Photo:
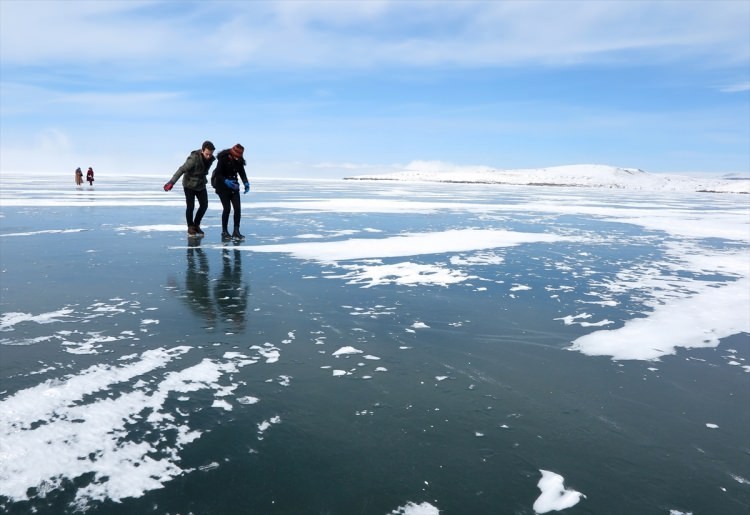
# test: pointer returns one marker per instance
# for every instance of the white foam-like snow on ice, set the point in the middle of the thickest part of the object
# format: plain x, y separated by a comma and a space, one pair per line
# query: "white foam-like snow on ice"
65, 429
411, 508
46, 231
75, 341
269, 352
154, 228
555, 496
408, 244
9, 320
343, 351
266, 425
700, 320
221, 403
406, 273
480, 258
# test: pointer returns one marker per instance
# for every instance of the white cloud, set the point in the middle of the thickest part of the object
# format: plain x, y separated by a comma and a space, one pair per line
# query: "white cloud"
18, 98
44, 31
736, 88
364, 34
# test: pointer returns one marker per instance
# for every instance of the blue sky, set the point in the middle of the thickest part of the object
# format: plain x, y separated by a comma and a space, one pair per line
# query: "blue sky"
337, 88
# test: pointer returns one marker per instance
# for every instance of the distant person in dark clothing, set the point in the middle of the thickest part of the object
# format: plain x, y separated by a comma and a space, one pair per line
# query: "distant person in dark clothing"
195, 170
90, 176
230, 168
79, 177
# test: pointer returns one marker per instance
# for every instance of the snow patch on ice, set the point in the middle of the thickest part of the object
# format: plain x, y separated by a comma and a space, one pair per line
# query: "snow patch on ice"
408, 244
67, 428
11, 319
700, 320
401, 273
411, 508
555, 496
154, 228
266, 424
48, 231
346, 350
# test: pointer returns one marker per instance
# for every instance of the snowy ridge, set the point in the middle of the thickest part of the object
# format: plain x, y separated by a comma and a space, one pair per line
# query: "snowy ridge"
592, 176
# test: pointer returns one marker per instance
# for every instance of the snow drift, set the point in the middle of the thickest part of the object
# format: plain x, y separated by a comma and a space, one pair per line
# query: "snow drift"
592, 176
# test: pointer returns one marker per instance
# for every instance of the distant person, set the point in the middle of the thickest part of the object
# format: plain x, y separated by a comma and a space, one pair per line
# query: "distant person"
90, 176
230, 167
79, 177
195, 170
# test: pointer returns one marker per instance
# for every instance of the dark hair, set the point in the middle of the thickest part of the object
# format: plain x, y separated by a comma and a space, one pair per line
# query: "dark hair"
208, 145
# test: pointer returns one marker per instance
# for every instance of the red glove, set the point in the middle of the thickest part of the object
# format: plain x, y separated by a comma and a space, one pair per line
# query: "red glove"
168, 186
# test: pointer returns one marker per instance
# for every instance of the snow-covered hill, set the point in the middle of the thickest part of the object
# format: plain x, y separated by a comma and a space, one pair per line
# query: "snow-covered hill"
594, 176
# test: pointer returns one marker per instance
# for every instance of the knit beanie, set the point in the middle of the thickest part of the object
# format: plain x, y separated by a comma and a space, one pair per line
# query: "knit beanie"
237, 151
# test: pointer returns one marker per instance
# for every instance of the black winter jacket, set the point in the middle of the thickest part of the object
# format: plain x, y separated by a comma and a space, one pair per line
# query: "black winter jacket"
228, 168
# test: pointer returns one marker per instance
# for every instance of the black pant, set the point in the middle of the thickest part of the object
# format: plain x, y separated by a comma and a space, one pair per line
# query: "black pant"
190, 196
229, 200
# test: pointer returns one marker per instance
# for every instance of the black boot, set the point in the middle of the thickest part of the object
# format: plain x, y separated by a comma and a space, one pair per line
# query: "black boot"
236, 234
198, 231
225, 236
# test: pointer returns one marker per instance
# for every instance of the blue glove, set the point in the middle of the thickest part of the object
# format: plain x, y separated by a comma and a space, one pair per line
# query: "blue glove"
232, 185
247, 187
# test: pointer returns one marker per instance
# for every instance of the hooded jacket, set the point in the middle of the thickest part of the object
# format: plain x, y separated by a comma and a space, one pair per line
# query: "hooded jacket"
228, 168
194, 171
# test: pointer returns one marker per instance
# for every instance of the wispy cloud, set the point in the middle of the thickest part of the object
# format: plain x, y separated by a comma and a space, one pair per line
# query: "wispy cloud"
19, 99
322, 34
736, 88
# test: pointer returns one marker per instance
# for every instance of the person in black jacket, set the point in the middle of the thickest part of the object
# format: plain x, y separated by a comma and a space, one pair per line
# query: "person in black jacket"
195, 169
230, 168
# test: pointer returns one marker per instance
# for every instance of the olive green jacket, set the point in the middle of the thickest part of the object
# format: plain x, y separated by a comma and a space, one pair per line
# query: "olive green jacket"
193, 172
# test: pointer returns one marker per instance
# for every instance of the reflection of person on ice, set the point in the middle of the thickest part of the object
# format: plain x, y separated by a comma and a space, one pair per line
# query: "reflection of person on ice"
222, 300
197, 284
79, 177
90, 176
231, 290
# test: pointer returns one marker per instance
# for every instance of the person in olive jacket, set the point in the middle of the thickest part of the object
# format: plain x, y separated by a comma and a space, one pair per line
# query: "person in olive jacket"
194, 173
230, 168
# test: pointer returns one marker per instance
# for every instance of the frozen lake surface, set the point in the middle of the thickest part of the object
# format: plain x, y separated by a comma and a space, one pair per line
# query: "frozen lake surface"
374, 348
